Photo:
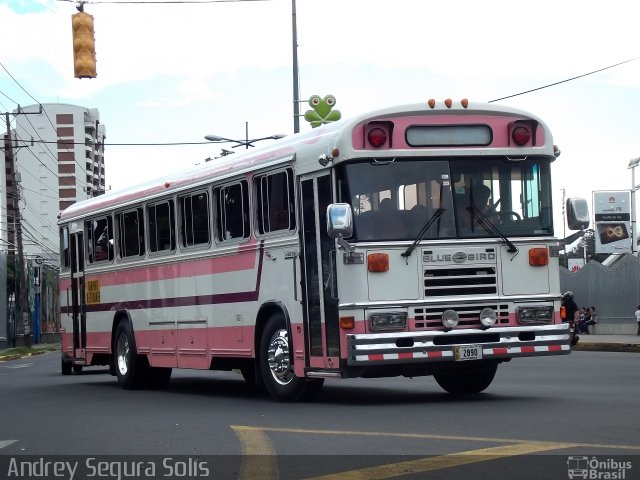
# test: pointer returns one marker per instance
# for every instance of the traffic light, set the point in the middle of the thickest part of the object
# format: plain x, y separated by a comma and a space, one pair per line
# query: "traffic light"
84, 46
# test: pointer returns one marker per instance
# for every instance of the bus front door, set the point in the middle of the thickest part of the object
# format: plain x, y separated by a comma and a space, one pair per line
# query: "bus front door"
78, 314
320, 303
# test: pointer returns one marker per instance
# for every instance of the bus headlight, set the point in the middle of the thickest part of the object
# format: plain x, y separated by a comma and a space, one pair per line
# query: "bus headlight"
388, 321
488, 317
450, 318
543, 314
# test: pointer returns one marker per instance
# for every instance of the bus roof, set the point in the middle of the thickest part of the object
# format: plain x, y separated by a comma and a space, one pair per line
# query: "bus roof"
302, 146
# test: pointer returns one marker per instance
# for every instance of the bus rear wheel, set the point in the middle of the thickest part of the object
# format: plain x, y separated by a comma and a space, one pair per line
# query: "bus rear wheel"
65, 366
467, 380
129, 368
276, 364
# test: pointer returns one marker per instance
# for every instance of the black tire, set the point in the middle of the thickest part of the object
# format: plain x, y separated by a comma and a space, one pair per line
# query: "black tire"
65, 366
276, 364
467, 380
130, 369
77, 369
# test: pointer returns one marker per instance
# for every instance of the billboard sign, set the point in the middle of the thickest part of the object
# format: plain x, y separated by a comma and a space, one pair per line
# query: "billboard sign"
612, 210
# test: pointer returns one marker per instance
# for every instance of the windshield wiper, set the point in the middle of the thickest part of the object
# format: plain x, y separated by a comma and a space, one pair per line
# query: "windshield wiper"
488, 225
437, 214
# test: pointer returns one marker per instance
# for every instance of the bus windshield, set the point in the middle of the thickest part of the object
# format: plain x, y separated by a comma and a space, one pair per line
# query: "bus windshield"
394, 199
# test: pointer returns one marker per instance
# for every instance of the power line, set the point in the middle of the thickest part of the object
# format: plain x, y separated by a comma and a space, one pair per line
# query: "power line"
159, 2
82, 168
564, 81
51, 154
17, 83
7, 96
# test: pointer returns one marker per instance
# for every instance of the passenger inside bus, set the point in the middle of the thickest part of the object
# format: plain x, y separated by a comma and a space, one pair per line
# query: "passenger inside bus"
388, 223
477, 196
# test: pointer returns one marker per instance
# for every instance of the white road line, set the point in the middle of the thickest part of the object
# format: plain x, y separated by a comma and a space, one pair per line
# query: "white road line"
6, 443
22, 365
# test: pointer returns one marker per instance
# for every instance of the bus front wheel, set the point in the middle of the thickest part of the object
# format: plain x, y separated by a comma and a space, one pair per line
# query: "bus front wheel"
276, 364
467, 380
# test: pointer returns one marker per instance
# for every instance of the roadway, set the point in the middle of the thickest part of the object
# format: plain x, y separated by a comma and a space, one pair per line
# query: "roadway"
538, 415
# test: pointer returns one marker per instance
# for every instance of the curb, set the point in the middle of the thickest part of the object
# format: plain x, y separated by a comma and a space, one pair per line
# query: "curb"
6, 358
607, 347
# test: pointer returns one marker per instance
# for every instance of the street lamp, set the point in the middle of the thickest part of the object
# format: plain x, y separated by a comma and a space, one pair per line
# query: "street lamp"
247, 142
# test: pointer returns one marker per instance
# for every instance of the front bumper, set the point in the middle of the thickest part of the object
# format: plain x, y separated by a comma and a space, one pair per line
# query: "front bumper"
436, 346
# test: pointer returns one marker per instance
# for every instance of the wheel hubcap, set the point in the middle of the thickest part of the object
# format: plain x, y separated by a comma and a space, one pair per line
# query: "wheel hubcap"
278, 357
123, 354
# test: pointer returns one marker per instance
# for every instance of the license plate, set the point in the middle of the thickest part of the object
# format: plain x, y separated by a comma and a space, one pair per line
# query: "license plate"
467, 352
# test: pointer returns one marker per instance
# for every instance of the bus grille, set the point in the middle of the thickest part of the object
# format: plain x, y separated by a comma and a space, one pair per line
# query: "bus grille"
431, 317
467, 281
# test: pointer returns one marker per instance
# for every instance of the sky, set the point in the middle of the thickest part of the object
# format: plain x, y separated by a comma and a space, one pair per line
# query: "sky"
173, 73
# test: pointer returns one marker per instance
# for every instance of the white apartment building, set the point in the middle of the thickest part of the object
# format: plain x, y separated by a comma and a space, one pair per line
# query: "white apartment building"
59, 161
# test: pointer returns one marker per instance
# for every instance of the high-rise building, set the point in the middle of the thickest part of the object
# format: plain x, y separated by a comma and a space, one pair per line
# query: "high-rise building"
58, 157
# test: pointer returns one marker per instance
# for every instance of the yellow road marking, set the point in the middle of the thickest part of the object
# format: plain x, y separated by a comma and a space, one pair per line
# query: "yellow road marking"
443, 461
439, 437
259, 458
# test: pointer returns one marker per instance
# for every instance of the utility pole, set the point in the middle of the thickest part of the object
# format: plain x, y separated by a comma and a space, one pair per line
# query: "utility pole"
4, 251
20, 269
296, 94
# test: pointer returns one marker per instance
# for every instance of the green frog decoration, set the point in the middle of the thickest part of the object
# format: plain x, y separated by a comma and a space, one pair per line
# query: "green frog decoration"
322, 111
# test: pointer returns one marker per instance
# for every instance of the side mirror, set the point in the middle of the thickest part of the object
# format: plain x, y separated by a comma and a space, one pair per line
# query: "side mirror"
577, 214
339, 220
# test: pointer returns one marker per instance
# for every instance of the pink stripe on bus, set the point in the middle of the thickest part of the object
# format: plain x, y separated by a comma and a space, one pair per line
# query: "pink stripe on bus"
185, 269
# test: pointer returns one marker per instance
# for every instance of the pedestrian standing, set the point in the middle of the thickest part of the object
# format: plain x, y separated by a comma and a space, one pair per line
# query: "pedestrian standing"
638, 319
590, 318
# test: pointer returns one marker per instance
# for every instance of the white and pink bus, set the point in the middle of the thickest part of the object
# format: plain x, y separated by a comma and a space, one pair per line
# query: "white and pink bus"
415, 240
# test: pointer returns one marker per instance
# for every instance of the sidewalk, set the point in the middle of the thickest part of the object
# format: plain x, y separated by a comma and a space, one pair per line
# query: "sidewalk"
609, 343
21, 352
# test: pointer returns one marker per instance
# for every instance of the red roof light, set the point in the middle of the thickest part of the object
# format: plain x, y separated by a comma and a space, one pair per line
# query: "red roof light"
377, 137
521, 135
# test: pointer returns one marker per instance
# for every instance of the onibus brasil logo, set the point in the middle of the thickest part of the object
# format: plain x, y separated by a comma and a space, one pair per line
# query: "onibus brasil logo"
594, 468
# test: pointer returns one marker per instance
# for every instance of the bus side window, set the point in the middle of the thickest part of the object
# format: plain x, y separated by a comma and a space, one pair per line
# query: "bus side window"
64, 248
194, 219
99, 239
232, 209
161, 227
130, 233
275, 202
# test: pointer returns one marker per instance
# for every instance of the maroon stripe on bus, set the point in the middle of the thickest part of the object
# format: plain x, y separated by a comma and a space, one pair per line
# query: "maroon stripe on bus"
213, 299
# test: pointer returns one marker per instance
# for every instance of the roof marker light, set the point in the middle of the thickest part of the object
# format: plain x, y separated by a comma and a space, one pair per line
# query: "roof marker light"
448, 102
431, 103
521, 135
464, 102
377, 137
